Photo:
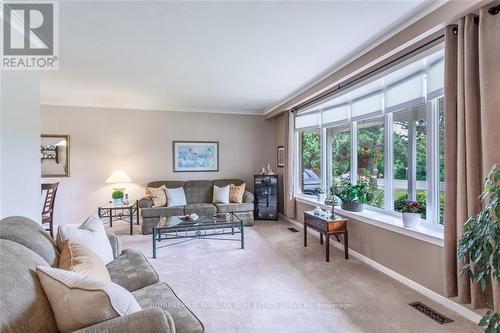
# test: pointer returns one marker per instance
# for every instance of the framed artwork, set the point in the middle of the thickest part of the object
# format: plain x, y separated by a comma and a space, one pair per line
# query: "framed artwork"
196, 156
280, 157
54, 155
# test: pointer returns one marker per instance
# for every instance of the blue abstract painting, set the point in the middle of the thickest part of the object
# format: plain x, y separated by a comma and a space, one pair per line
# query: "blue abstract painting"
195, 156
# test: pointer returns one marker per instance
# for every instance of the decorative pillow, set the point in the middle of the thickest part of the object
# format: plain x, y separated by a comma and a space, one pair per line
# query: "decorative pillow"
79, 258
158, 195
78, 300
236, 193
221, 194
90, 234
176, 197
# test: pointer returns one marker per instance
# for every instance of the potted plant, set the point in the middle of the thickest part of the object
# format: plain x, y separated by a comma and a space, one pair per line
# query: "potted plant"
479, 247
117, 197
367, 158
321, 193
410, 211
352, 196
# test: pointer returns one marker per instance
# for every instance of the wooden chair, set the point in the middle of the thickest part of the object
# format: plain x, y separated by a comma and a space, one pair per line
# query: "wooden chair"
48, 206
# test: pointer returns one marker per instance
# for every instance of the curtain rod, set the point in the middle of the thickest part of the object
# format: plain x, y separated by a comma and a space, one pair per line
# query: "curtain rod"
349, 83
492, 11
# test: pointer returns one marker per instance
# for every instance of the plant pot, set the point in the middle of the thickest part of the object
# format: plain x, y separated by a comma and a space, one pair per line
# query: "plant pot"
411, 220
117, 202
322, 197
352, 206
367, 163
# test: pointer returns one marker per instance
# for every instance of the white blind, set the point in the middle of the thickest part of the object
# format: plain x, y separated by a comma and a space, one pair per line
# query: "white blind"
435, 80
367, 107
307, 121
406, 94
335, 115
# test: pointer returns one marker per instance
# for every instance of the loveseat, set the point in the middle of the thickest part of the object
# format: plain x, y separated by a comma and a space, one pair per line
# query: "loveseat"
24, 244
199, 195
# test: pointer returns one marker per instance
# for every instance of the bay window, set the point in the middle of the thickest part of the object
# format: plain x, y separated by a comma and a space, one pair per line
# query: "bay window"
339, 141
388, 133
370, 157
308, 129
409, 143
310, 162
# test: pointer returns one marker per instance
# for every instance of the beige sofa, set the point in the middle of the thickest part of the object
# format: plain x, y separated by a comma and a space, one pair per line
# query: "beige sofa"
199, 200
24, 307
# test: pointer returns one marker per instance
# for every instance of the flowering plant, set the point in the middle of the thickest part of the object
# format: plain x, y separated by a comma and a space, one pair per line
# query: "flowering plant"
410, 206
366, 154
352, 193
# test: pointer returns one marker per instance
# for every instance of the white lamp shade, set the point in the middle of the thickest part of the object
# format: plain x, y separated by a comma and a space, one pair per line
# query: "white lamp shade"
118, 176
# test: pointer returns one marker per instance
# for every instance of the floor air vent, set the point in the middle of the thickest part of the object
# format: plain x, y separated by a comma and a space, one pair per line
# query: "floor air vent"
431, 313
293, 230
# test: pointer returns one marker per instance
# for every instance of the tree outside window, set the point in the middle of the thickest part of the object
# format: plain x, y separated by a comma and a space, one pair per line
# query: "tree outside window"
310, 161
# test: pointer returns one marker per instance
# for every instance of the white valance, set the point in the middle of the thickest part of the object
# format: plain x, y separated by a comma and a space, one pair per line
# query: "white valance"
307, 121
367, 107
435, 80
335, 115
409, 93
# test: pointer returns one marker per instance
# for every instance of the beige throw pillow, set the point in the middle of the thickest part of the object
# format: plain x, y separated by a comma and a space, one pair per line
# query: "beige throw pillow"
91, 234
236, 193
79, 258
158, 195
79, 300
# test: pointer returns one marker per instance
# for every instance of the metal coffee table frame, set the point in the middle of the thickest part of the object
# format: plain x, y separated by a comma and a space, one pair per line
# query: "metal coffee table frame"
207, 226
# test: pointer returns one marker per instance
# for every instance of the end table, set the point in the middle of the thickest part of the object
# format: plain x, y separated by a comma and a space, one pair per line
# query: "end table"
328, 226
110, 210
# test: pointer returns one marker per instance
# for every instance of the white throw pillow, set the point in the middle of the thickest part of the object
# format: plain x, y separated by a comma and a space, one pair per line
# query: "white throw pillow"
176, 197
79, 300
90, 234
221, 194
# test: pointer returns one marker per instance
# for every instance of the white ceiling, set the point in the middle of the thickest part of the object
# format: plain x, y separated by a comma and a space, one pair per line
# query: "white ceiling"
236, 57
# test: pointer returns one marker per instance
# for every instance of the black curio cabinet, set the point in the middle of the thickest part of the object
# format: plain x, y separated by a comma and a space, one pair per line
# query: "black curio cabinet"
266, 197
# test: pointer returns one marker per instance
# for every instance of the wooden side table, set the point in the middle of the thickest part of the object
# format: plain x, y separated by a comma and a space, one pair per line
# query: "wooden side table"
327, 226
129, 210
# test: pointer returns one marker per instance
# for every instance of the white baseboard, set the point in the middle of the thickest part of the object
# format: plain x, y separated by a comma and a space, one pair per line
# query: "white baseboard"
461, 310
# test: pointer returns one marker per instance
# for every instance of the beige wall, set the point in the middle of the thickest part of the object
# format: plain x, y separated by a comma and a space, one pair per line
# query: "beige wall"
417, 260
140, 142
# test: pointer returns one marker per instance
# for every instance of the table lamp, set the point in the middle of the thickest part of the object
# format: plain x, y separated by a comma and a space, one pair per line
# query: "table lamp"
118, 176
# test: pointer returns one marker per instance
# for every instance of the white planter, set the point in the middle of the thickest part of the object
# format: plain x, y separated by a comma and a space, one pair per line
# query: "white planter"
117, 202
322, 197
411, 220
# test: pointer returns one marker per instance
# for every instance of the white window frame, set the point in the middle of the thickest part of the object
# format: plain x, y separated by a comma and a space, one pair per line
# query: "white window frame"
433, 184
298, 183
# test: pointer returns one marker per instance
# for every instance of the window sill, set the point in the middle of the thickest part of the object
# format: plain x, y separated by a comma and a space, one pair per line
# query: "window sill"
379, 219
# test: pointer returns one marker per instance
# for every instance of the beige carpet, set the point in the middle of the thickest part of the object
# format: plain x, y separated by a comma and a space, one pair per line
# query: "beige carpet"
277, 285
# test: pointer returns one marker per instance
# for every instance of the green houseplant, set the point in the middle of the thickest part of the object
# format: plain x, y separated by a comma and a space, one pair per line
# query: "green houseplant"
479, 247
353, 196
117, 196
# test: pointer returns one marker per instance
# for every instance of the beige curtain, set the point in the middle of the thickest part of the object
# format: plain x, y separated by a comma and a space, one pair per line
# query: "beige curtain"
472, 140
288, 197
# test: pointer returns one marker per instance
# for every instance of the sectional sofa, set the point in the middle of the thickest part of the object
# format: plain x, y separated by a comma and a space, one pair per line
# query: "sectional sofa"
199, 195
24, 307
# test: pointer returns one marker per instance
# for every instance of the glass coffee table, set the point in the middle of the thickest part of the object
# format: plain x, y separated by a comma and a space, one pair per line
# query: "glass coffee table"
206, 226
